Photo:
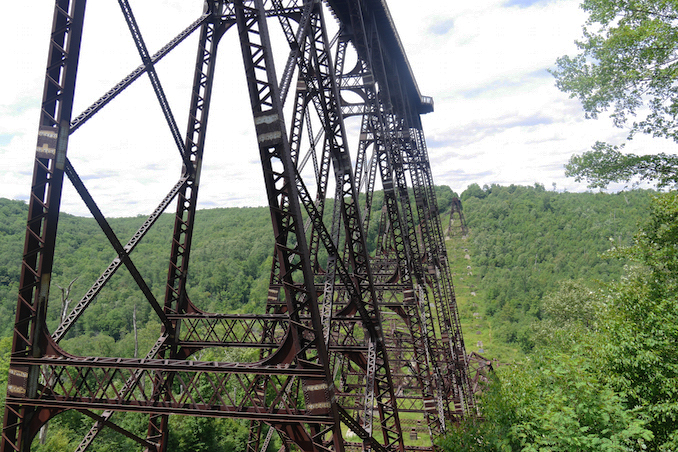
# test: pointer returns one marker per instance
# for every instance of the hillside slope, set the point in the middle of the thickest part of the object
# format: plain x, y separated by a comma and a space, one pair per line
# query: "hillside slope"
521, 242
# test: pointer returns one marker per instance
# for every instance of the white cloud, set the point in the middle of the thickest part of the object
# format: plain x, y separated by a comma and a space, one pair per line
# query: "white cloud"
498, 119
498, 116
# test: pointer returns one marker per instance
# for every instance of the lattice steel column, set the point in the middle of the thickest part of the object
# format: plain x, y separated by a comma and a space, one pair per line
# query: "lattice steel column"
292, 253
21, 422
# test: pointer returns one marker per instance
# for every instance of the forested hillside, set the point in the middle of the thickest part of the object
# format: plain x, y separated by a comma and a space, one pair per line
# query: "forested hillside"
229, 256
524, 240
587, 298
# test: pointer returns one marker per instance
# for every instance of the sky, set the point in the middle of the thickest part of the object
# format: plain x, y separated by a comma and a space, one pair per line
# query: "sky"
498, 116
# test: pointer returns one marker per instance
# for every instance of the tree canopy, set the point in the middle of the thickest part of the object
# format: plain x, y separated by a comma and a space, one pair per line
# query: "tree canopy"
627, 65
605, 164
643, 323
525, 240
628, 61
603, 374
528, 281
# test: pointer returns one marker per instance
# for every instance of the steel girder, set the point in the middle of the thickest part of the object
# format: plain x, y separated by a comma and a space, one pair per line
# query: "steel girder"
350, 339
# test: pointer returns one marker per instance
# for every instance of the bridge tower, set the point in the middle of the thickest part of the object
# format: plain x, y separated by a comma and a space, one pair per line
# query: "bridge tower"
355, 344
456, 208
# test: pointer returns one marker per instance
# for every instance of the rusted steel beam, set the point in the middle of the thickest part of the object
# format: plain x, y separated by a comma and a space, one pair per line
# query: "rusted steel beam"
43, 216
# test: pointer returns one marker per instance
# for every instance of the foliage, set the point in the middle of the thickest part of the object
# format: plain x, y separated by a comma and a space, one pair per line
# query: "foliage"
230, 261
627, 63
491, 432
569, 314
473, 191
230, 264
643, 323
199, 434
5, 349
605, 164
572, 304
12, 230
444, 196
559, 397
551, 402
186, 433
603, 374
59, 441
524, 240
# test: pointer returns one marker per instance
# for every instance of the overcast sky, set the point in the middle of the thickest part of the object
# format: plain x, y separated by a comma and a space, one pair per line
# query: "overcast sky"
498, 116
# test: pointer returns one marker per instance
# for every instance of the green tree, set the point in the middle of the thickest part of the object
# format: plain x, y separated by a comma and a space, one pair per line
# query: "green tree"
524, 240
560, 398
605, 164
553, 401
474, 191
444, 196
573, 304
568, 315
643, 323
5, 349
628, 63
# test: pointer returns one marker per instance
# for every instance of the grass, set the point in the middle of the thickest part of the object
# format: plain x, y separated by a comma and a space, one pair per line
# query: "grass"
471, 302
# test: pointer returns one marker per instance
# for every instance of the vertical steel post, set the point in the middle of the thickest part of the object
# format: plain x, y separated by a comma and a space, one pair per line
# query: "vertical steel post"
21, 423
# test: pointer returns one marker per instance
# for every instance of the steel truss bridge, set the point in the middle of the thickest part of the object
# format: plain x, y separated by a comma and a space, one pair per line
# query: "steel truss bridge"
357, 349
